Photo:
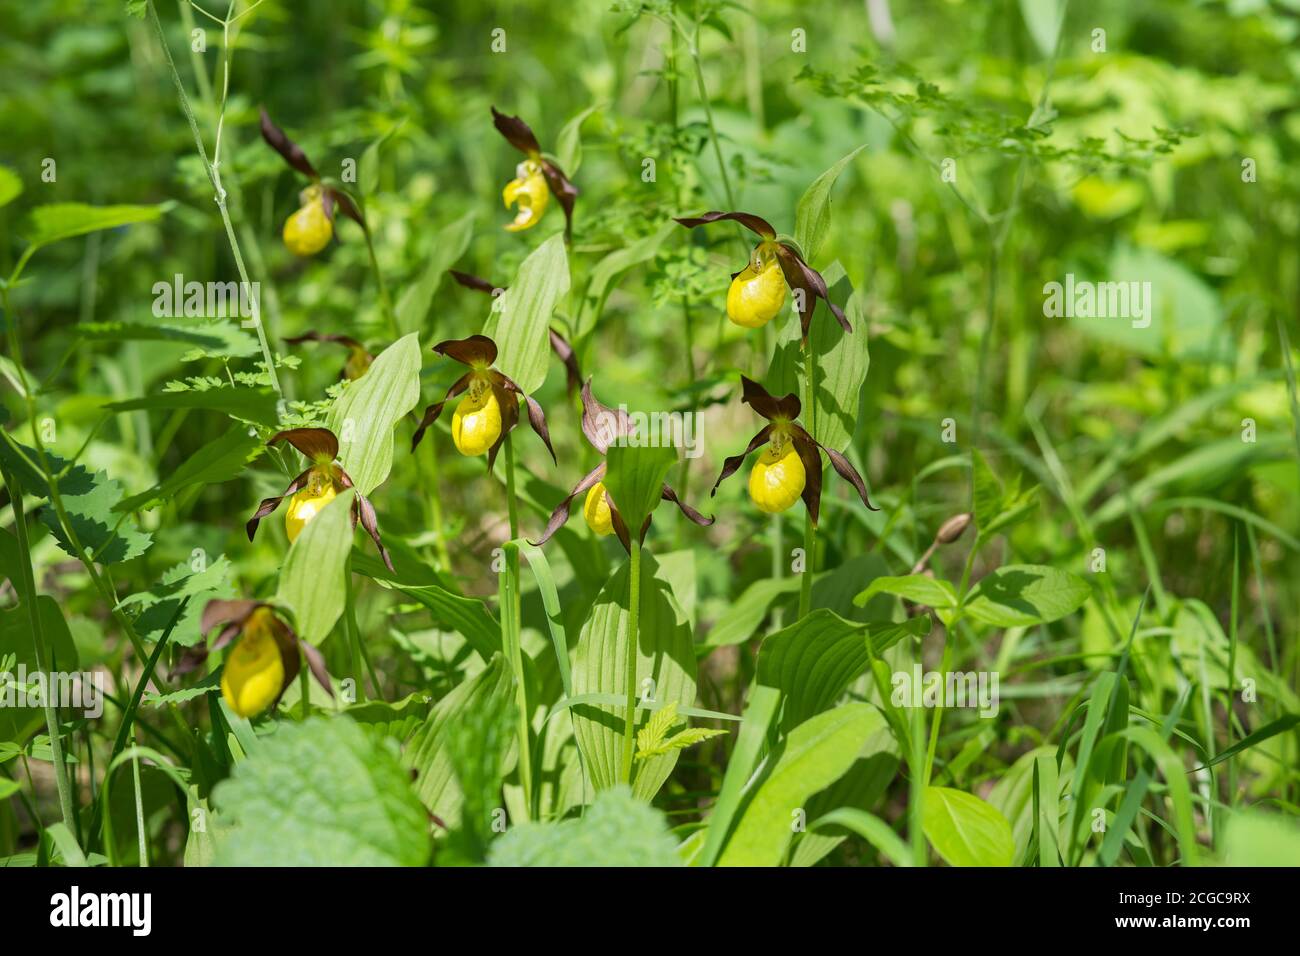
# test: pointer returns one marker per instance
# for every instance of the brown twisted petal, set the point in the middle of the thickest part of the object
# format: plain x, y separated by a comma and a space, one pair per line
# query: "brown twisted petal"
730, 465
841, 465
220, 611
693, 515
433, 411
601, 424
475, 350
362, 509
812, 467
517, 133
564, 351
561, 513
268, 505
755, 224
337, 197
316, 664
800, 275
536, 417
564, 191
282, 144
318, 444
762, 401
476, 283
509, 416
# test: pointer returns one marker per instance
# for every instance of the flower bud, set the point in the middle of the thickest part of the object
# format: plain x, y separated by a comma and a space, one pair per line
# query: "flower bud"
308, 230
778, 477
254, 672
308, 502
529, 191
953, 528
596, 512
476, 423
758, 292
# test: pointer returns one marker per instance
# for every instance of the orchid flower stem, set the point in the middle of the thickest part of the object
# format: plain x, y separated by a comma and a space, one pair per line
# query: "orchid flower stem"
633, 619
354, 633
809, 529
950, 636
510, 632
428, 460
385, 303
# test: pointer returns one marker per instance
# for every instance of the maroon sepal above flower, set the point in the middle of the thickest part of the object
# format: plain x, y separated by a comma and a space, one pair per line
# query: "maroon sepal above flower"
559, 344
798, 274
479, 352
604, 426
231, 617
359, 358
520, 135
321, 447
292, 153
781, 414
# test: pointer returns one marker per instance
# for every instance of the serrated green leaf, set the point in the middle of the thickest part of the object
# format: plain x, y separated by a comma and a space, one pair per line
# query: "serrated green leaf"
107, 536
678, 741
154, 608
657, 727
320, 793
366, 415
520, 322
312, 582
617, 830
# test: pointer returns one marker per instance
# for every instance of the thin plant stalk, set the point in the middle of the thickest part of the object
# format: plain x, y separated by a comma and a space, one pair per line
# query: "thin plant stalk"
385, 303
809, 529
510, 627
633, 620
27, 582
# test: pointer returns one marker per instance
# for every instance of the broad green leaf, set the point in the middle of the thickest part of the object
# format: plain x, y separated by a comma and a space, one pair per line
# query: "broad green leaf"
153, 609
56, 221
365, 416
429, 753
812, 218
320, 793
1021, 595
872, 829
254, 405
448, 245
616, 830
917, 588
634, 480
10, 186
217, 461
521, 325
810, 758
665, 673
813, 661
8, 787
468, 616
859, 789
760, 709
965, 830
312, 580
740, 621
568, 145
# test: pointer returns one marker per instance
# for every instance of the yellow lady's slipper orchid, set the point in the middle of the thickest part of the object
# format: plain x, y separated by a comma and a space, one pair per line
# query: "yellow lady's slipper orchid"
254, 675
778, 477
315, 487
528, 190
758, 291
476, 423
308, 503
309, 230
596, 512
